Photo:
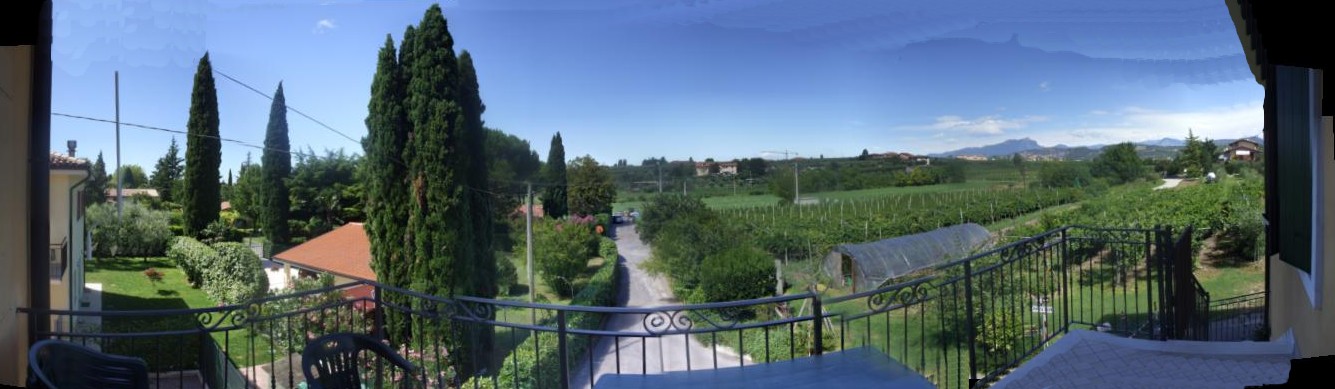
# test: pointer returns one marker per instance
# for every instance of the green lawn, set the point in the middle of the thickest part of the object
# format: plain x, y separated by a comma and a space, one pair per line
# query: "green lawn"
126, 288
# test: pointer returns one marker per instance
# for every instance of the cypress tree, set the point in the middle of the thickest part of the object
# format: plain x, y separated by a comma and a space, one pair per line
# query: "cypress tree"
442, 240
275, 166
554, 195
96, 188
483, 275
203, 154
475, 137
386, 182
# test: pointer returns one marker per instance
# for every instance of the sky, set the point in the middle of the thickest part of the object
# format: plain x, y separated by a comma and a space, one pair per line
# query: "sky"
635, 79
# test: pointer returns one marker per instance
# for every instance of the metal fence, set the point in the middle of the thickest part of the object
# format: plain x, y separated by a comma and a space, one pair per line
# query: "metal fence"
965, 323
1239, 318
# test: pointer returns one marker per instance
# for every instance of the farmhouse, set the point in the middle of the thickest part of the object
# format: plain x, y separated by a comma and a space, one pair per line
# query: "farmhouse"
1241, 150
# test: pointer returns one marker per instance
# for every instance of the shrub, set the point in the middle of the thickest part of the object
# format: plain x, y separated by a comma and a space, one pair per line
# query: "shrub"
154, 276
192, 257
562, 252
664, 208
538, 367
739, 273
604, 220
220, 231
138, 232
607, 249
236, 276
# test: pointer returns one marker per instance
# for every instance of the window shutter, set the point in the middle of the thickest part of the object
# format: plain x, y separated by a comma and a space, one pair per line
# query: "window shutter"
1294, 165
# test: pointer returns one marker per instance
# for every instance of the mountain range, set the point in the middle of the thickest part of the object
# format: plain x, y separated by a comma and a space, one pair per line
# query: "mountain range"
1030, 146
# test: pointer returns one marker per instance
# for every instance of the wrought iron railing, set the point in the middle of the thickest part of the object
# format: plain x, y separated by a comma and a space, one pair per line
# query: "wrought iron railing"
1239, 318
965, 323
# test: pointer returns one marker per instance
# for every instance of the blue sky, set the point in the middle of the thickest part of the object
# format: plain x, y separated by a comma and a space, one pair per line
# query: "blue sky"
675, 78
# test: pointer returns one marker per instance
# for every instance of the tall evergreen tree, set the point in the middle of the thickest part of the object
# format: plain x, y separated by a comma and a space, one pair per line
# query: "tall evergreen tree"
96, 188
203, 153
276, 165
386, 183
478, 171
554, 195
437, 156
483, 277
168, 169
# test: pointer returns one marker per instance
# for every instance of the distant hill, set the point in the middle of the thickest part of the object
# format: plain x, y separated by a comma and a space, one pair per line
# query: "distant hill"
1007, 147
1154, 148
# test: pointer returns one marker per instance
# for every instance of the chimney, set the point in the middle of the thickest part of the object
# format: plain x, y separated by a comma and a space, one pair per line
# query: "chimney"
72, 144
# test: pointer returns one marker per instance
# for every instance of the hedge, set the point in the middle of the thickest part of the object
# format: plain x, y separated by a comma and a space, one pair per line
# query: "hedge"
607, 249
192, 257
236, 276
522, 366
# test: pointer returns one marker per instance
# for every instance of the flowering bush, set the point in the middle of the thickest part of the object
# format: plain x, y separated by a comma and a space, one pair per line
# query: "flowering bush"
154, 276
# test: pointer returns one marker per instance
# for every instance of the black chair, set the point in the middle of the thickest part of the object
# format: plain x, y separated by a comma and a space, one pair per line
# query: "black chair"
60, 364
338, 360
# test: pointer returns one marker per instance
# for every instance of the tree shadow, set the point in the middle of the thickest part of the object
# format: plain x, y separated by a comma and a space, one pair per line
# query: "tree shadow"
165, 292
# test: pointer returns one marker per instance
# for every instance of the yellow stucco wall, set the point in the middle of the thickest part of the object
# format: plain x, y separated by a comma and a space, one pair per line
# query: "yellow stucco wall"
16, 79
1290, 307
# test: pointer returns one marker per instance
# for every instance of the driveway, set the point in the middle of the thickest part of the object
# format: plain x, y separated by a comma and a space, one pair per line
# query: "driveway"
1169, 183
643, 355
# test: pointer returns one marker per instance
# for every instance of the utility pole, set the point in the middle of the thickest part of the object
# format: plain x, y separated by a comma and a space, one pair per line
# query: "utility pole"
528, 244
797, 195
120, 176
660, 176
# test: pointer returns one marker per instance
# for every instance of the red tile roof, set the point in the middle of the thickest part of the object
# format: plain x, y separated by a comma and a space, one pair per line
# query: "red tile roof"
65, 162
345, 251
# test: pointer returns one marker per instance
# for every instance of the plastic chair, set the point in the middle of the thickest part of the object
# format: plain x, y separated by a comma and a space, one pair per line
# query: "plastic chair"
338, 360
60, 364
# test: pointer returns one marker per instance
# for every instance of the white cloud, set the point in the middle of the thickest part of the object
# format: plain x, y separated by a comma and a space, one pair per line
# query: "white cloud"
1138, 124
1044, 86
986, 125
1098, 112
324, 25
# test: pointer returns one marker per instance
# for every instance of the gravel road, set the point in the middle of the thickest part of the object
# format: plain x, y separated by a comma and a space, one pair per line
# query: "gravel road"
644, 355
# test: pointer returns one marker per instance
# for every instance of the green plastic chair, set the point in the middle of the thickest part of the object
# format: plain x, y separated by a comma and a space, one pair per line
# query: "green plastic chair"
337, 358
58, 364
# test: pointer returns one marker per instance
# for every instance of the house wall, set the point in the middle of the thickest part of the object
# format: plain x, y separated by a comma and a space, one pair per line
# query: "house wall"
1291, 307
16, 79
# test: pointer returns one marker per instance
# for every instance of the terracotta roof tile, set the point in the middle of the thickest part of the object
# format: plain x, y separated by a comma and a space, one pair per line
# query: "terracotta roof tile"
65, 162
345, 251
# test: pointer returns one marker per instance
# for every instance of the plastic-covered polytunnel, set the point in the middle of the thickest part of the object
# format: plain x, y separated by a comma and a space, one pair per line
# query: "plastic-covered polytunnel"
868, 265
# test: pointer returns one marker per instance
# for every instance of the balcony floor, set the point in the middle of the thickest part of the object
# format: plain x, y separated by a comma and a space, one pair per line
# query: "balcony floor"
1087, 359
856, 368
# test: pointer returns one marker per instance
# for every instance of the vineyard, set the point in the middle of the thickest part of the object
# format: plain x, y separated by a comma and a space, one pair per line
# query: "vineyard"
1229, 211
807, 231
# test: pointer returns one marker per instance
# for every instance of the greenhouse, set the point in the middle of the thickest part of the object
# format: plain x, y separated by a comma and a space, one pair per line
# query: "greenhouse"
868, 265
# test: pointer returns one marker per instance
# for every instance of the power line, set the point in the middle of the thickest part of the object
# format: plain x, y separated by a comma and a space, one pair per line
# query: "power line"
147, 127
289, 107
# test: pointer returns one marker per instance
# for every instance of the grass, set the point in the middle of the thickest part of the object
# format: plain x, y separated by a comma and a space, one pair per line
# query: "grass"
507, 338
126, 288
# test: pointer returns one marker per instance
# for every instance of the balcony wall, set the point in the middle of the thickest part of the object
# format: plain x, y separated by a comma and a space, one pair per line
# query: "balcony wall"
16, 79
